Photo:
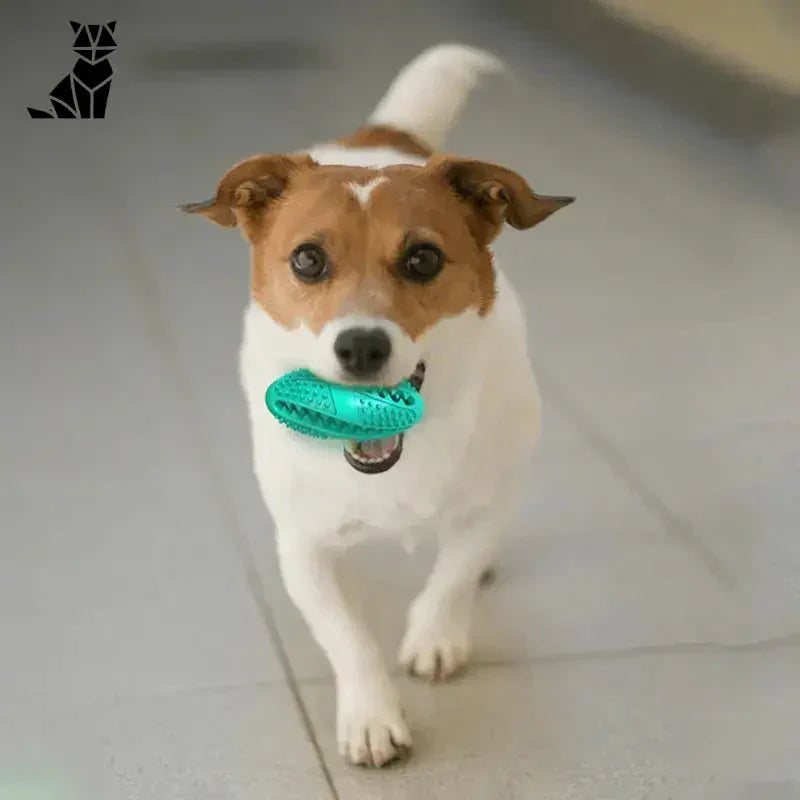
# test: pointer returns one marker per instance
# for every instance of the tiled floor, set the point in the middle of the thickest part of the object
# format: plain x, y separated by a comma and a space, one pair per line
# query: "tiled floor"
643, 637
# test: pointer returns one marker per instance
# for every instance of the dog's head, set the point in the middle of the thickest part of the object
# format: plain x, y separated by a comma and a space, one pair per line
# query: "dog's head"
93, 43
366, 263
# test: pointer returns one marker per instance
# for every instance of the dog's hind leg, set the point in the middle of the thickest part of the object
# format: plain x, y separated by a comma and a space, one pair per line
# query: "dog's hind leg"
370, 726
35, 113
438, 636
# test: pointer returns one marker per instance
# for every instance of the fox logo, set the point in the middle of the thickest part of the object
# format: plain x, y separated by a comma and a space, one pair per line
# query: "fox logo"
83, 94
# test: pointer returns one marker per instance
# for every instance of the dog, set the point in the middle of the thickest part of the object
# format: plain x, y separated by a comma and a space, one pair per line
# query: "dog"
83, 94
371, 262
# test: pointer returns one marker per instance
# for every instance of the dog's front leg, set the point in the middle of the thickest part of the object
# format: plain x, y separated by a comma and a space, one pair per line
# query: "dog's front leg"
438, 636
370, 725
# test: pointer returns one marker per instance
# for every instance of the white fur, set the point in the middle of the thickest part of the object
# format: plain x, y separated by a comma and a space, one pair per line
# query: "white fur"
428, 94
362, 191
458, 479
376, 157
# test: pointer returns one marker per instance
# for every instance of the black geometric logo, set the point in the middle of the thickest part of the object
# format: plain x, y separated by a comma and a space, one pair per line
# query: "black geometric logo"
83, 94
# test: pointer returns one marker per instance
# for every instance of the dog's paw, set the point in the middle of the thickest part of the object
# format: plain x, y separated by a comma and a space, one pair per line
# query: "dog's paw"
435, 649
371, 730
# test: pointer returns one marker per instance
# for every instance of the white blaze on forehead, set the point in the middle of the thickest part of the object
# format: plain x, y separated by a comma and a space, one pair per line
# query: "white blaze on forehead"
362, 191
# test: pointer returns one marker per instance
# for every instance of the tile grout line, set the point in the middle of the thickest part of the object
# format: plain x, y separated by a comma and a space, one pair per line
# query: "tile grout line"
257, 590
676, 528
236, 535
787, 642
241, 546
790, 641
145, 287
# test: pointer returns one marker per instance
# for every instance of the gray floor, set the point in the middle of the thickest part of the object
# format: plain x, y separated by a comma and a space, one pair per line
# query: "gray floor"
643, 637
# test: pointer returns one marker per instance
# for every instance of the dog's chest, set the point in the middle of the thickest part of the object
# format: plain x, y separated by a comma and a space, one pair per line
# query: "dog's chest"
311, 484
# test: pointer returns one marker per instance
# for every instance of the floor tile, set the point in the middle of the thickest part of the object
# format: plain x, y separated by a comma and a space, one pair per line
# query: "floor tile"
117, 571
719, 725
212, 744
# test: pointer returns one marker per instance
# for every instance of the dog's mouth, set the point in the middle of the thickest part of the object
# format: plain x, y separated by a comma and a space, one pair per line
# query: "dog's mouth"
378, 455
374, 455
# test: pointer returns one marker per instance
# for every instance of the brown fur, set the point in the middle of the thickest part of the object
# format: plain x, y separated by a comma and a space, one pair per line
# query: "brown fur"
280, 202
386, 136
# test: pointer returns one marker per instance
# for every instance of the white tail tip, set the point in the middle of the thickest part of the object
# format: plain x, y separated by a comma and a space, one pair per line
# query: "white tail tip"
428, 94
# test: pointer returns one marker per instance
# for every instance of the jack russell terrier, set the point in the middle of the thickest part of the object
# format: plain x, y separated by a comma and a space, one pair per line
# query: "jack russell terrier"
370, 263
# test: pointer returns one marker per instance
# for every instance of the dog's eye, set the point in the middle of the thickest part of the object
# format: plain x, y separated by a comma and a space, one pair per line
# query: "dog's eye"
422, 263
309, 263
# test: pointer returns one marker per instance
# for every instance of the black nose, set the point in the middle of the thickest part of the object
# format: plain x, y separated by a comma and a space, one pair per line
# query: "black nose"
361, 351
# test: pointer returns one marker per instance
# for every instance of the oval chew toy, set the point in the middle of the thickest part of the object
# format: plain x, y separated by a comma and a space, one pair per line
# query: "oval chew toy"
314, 407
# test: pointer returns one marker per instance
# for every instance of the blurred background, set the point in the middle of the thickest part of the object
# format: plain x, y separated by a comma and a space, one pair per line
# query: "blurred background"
642, 639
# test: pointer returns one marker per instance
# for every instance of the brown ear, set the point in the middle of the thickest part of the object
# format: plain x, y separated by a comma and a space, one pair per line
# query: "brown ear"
494, 195
247, 189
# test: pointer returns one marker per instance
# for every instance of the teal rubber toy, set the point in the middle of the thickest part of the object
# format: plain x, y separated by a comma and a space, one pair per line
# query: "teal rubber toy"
315, 407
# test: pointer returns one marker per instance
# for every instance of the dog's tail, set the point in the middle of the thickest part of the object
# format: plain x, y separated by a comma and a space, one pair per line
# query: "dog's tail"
35, 113
427, 95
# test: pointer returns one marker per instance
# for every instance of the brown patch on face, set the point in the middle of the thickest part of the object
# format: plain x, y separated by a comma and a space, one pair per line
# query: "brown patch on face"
386, 136
365, 248
455, 205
